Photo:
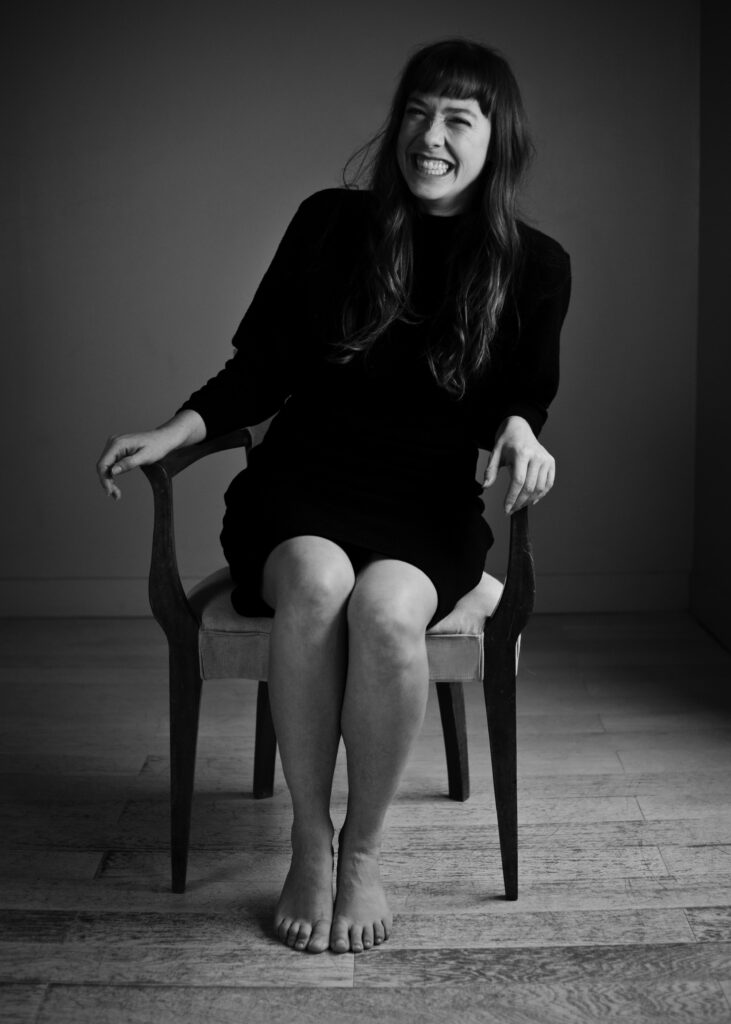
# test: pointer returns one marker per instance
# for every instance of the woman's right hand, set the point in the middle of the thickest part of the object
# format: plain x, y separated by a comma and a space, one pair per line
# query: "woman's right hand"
127, 451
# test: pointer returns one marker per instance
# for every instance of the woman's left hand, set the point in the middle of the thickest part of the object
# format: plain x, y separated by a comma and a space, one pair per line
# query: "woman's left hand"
532, 468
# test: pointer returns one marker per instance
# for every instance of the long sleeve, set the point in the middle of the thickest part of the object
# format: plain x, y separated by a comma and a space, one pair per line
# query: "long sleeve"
531, 382
269, 342
526, 376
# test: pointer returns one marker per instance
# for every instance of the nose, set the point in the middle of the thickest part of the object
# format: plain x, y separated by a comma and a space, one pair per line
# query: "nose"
434, 133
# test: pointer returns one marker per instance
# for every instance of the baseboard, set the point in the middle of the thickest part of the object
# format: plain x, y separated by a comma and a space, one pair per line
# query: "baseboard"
590, 592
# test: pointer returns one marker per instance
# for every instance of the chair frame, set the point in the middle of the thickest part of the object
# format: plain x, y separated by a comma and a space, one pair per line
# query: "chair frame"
172, 610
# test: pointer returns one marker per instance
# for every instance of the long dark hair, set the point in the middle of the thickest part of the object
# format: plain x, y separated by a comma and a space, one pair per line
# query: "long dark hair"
487, 247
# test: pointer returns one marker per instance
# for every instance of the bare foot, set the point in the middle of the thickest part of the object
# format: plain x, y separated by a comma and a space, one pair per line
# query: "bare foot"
470, 612
362, 918
304, 912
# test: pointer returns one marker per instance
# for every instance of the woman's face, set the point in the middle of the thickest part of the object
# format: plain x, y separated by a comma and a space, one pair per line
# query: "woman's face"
441, 150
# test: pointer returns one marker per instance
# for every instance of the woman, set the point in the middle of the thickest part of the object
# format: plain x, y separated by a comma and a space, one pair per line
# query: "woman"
396, 330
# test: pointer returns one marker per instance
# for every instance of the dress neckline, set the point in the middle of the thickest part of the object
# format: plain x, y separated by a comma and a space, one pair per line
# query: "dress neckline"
434, 218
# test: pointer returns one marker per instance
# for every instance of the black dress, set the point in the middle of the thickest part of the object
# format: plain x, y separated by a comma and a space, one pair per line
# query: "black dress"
373, 454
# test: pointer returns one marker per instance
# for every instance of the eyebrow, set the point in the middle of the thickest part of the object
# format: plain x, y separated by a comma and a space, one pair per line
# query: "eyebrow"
451, 109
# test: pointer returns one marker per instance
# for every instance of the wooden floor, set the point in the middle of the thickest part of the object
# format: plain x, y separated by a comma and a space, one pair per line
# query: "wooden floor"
625, 809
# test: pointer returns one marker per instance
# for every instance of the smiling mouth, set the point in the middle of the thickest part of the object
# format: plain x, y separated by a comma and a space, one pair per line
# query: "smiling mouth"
430, 166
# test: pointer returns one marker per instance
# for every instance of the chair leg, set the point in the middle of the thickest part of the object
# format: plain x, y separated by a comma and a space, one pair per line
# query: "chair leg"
454, 728
185, 697
499, 687
265, 745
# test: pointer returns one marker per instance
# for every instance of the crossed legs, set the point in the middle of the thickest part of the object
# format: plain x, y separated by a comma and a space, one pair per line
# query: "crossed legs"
348, 656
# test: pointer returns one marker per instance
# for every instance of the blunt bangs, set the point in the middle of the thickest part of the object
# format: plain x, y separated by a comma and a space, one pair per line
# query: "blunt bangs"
458, 70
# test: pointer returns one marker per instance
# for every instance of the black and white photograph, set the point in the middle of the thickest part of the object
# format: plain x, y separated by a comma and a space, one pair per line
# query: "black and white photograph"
365, 591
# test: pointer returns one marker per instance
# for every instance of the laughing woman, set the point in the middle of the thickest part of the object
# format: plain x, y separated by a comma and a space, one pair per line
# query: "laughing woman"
398, 329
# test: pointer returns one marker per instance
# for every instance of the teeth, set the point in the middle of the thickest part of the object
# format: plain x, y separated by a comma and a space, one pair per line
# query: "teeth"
435, 167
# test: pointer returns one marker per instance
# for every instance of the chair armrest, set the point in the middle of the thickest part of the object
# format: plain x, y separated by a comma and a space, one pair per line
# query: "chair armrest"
180, 458
168, 601
518, 596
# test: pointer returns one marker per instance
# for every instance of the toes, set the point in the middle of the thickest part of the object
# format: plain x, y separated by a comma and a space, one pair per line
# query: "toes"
368, 936
320, 938
356, 938
303, 936
339, 937
379, 933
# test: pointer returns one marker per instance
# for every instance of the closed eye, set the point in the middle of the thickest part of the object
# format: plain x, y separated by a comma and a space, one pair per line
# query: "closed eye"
417, 112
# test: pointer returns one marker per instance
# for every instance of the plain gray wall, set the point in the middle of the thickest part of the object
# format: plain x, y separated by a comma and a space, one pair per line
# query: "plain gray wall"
156, 152
711, 581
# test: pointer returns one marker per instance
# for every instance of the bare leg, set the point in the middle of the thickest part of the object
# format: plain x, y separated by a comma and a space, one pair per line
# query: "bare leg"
383, 710
308, 580
470, 612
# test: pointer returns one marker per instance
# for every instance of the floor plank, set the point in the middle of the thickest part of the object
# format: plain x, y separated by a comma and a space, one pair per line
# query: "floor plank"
61, 825
475, 895
711, 924
242, 964
709, 859
655, 1003
19, 1004
543, 928
690, 962
47, 867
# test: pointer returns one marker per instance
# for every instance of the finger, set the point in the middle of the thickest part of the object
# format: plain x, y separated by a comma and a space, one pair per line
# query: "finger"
105, 477
492, 467
542, 487
116, 448
529, 485
124, 465
105, 463
516, 484
110, 488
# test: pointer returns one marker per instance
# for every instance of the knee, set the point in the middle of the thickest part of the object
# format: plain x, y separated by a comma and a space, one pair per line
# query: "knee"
322, 591
387, 625
317, 587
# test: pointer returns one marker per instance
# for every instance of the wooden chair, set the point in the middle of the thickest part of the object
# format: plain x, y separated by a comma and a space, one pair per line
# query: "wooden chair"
207, 639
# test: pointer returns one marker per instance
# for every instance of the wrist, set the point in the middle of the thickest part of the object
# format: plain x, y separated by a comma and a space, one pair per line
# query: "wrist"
184, 428
514, 424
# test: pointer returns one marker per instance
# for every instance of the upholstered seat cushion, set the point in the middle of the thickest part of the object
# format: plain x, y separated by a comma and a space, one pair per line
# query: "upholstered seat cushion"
234, 647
